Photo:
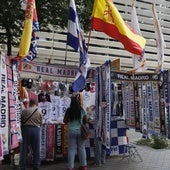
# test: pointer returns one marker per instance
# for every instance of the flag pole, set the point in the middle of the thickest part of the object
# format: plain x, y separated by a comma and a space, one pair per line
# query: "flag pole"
159, 66
88, 42
65, 60
52, 47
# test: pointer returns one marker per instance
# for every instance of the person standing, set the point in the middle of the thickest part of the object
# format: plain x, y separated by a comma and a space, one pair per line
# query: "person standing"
31, 121
74, 116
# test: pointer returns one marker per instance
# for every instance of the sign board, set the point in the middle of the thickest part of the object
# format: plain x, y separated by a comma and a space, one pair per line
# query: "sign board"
115, 65
50, 70
135, 77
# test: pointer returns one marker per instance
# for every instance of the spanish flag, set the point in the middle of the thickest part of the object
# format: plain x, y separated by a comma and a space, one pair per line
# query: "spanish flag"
106, 18
27, 31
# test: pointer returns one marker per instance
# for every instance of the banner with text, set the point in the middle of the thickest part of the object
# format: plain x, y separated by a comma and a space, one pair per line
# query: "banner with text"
4, 105
135, 77
50, 70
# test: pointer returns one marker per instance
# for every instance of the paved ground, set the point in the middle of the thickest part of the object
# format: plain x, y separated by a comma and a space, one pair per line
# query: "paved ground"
152, 160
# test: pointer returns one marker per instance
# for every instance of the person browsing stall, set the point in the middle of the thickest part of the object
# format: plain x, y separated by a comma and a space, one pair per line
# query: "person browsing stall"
73, 117
31, 121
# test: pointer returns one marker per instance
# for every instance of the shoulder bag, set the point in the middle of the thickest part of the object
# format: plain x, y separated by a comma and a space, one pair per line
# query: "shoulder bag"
85, 131
22, 123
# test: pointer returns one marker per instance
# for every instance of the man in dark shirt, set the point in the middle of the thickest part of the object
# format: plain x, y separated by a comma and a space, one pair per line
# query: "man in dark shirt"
31, 121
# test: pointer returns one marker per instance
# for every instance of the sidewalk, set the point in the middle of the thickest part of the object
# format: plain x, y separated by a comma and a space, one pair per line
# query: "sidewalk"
152, 160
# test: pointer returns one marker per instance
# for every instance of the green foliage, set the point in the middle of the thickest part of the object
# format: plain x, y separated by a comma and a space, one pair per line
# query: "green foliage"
156, 142
11, 21
159, 142
55, 12
145, 142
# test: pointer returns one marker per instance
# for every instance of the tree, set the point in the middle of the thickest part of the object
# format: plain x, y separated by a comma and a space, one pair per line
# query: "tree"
50, 12
11, 19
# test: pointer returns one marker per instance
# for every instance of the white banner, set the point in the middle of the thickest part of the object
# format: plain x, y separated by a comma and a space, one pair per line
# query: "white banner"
4, 121
50, 70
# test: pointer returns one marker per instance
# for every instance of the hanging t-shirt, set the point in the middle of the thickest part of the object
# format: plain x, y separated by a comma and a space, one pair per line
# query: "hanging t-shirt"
88, 98
45, 108
64, 104
55, 102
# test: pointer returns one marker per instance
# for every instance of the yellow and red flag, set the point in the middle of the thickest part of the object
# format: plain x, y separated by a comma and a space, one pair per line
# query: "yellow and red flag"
106, 18
27, 31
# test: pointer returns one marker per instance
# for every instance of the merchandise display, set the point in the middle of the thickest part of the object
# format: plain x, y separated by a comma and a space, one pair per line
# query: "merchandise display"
113, 101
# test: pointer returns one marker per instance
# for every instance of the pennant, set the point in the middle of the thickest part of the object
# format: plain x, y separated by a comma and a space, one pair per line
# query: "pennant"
73, 27
139, 61
27, 31
106, 18
159, 39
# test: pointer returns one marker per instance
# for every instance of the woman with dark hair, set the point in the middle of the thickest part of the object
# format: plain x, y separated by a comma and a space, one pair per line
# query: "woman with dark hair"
74, 116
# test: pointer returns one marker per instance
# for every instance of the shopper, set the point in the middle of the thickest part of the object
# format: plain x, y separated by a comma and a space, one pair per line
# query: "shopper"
31, 120
74, 116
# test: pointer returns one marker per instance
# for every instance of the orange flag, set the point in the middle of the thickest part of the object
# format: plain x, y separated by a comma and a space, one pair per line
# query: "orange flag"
106, 18
27, 31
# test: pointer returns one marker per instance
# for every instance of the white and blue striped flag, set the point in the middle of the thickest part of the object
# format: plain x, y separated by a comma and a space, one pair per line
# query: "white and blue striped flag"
73, 27
76, 40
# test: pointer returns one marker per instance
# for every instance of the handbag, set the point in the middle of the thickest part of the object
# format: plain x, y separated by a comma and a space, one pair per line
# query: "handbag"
85, 132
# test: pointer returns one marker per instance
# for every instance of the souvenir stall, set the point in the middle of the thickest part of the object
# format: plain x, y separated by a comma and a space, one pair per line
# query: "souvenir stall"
145, 101
139, 101
53, 99
108, 128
